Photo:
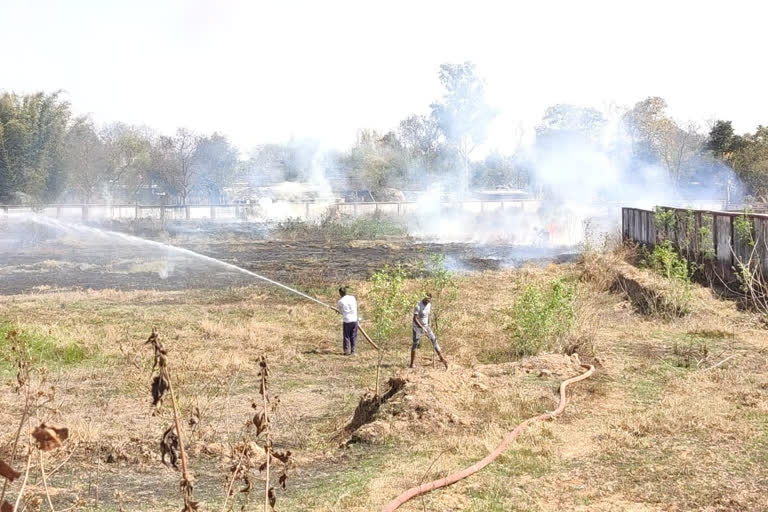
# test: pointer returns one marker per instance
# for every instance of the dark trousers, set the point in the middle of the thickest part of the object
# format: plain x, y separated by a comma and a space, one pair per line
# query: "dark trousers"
350, 337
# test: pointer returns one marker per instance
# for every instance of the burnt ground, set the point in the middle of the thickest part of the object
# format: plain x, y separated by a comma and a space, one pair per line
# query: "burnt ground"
34, 258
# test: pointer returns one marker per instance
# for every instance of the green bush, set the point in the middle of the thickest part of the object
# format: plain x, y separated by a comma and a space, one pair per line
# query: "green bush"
677, 297
541, 317
742, 230
665, 261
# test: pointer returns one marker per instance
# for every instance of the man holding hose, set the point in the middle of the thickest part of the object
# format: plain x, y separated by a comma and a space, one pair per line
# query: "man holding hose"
347, 306
421, 327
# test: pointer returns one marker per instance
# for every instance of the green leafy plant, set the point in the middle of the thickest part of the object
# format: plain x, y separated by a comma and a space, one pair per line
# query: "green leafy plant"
665, 220
442, 284
541, 317
677, 295
706, 240
331, 227
742, 230
444, 289
665, 261
390, 303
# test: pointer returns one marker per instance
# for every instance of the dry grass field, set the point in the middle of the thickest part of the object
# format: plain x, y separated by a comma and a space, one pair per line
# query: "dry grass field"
660, 426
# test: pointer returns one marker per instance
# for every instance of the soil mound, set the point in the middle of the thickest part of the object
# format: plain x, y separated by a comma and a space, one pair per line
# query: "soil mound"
423, 401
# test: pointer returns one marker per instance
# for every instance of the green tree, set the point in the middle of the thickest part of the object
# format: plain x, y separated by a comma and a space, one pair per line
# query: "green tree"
445, 291
722, 141
423, 141
389, 303
128, 152
32, 131
463, 115
750, 162
498, 170
376, 161
85, 160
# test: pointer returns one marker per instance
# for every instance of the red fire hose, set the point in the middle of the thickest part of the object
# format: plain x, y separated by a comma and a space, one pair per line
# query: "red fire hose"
460, 475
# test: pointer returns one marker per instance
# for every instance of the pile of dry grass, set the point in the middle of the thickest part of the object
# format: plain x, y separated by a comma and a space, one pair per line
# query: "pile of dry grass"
648, 292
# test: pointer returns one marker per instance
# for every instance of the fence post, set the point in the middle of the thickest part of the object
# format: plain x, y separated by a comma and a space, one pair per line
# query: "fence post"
186, 212
84, 212
213, 212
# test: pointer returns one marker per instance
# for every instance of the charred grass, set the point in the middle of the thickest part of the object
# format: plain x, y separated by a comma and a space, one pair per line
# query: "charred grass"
659, 427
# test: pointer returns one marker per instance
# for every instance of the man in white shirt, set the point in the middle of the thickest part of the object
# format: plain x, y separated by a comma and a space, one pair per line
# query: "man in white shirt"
347, 306
421, 327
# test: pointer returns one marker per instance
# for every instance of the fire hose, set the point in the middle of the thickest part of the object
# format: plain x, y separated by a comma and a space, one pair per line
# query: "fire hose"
460, 475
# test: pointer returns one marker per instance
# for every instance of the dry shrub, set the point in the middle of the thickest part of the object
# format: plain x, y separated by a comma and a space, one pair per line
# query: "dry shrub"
601, 269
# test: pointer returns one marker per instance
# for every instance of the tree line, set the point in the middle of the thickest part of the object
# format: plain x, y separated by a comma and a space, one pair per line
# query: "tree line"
47, 154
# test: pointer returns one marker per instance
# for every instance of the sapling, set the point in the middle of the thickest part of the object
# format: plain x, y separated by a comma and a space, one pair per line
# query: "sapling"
390, 303
445, 291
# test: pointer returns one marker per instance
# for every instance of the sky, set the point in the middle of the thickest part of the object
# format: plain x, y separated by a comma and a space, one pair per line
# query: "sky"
265, 71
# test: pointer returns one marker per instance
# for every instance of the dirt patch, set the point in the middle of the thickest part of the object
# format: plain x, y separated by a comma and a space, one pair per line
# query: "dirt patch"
420, 402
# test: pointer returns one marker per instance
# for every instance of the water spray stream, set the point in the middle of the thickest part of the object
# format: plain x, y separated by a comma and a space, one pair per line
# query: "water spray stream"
105, 233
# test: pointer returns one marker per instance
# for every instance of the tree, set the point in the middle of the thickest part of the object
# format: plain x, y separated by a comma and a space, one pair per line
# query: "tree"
32, 131
499, 170
444, 289
422, 139
656, 138
217, 161
722, 141
128, 153
376, 161
85, 159
174, 160
291, 161
750, 162
389, 303
574, 123
463, 115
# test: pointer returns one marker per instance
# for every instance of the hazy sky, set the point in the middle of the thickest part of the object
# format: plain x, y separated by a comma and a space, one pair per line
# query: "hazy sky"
265, 71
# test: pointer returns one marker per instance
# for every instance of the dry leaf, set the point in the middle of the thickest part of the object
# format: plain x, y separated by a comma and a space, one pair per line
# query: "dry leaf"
6, 507
272, 498
169, 445
282, 456
260, 420
194, 418
159, 387
283, 479
48, 437
8, 472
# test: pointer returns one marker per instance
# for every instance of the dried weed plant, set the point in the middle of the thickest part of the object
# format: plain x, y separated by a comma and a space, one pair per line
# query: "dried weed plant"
172, 440
247, 453
32, 384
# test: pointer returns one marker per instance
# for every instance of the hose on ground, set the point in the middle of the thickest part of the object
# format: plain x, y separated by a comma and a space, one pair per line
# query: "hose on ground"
460, 475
